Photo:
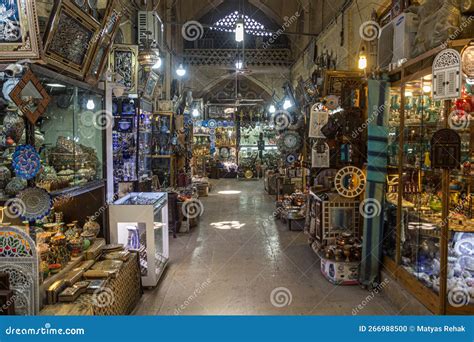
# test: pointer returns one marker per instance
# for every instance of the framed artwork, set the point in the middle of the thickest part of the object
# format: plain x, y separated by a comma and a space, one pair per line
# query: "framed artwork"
71, 39
150, 85
110, 25
19, 30
30, 96
123, 63
335, 81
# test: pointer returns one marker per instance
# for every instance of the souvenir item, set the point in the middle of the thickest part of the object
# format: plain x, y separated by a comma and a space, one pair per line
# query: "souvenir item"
30, 96
67, 32
5, 176
447, 75
26, 162
289, 141
15, 186
133, 241
464, 246
8, 86
113, 247
291, 158
320, 156
123, 64
13, 124
212, 123
332, 102
91, 226
95, 285
350, 181
37, 203
317, 121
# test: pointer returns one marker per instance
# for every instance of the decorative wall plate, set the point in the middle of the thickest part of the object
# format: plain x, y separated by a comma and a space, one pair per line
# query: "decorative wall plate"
37, 203
350, 181
332, 102
464, 247
8, 86
289, 141
26, 162
224, 152
212, 123
291, 158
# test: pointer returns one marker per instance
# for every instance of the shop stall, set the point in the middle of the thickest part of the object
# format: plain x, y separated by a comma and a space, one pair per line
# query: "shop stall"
428, 202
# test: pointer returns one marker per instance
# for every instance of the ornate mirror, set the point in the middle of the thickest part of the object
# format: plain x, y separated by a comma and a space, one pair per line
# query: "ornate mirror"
30, 96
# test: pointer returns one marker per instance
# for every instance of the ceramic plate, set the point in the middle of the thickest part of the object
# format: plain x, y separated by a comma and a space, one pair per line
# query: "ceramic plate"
26, 162
36, 203
8, 87
464, 247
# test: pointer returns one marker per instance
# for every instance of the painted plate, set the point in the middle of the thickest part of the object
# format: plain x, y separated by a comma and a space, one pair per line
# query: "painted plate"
36, 203
291, 158
26, 162
8, 87
464, 247
212, 123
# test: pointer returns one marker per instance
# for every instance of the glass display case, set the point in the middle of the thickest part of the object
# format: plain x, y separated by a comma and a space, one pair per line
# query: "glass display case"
68, 136
125, 137
139, 221
145, 121
430, 248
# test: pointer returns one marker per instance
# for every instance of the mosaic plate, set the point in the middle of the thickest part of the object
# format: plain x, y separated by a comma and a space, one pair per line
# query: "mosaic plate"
37, 203
26, 162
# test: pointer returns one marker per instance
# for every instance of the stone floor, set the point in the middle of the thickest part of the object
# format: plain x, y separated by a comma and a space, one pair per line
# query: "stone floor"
240, 261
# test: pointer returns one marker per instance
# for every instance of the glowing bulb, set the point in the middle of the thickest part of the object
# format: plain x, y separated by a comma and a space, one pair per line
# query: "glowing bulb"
239, 31
90, 104
181, 71
408, 94
238, 65
271, 109
362, 62
427, 88
287, 104
195, 113
157, 64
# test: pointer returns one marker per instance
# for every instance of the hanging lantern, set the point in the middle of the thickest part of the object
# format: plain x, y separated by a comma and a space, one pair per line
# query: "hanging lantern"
149, 55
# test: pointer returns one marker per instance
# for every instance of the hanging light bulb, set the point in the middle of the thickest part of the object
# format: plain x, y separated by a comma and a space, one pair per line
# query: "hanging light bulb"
195, 113
239, 30
90, 104
287, 104
271, 109
362, 60
427, 88
157, 64
239, 64
181, 71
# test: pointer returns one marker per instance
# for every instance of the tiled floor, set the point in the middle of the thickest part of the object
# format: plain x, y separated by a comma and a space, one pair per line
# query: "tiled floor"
233, 268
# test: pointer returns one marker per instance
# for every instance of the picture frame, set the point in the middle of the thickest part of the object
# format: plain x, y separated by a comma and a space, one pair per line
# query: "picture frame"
108, 30
30, 96
334, 81
123, 63
150, 85
68, 29
22, 42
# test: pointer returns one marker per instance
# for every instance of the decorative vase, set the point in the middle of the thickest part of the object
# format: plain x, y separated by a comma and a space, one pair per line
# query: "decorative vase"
13, 124
5, 176
91, 226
